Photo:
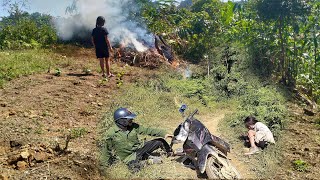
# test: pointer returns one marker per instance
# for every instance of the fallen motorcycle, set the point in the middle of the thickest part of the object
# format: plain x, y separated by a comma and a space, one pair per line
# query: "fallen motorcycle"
206, 152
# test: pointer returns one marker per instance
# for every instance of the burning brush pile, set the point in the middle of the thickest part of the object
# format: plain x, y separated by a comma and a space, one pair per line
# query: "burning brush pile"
150, 58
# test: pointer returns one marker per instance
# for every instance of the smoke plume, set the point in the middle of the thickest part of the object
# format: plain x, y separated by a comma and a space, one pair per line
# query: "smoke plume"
122, 29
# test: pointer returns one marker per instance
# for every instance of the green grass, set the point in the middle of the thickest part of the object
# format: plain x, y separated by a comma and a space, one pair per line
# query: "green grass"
157, 99
14, 64
156, 104
78, 132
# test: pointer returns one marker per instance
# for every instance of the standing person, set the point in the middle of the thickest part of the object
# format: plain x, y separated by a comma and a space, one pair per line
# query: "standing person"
122, 139
259, 135
102, 46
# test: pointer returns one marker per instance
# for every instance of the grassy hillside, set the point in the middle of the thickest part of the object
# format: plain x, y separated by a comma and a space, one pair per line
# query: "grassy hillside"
155, 95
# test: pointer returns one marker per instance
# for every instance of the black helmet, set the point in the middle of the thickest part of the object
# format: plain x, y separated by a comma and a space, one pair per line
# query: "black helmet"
123, 113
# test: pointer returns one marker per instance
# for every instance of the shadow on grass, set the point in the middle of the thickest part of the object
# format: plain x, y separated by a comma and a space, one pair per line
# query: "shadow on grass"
186, 162
79, 74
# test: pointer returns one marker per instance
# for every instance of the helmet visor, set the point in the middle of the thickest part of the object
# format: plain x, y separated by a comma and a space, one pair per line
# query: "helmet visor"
130, 116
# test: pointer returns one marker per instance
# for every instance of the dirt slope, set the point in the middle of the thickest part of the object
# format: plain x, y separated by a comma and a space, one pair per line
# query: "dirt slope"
38, 112
301, 142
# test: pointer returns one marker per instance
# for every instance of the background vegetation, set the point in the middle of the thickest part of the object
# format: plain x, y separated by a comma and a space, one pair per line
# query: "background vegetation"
21, 30
280, 37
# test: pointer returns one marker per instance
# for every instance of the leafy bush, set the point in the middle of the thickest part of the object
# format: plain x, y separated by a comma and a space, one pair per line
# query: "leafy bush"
228, 71
194, 86
263, 103
311, 83
26, 31
188, 88
231, 85
256, 97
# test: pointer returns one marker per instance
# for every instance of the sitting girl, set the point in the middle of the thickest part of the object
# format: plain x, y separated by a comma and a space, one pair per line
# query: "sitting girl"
259, 134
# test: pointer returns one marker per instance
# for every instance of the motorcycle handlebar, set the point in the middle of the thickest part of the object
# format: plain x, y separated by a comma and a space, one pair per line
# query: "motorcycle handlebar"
191, 115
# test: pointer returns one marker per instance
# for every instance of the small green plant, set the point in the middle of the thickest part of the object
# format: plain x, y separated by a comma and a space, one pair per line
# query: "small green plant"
78, 132
300, 165
39, 126
103, 81
58, 72
119, 80
38, 131
87, 71
46, 114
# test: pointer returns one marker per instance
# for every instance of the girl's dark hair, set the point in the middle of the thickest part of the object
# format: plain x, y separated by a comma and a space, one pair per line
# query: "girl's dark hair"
250, 120
100, 21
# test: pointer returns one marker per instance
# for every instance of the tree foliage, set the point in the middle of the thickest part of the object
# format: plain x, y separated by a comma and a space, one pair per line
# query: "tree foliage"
23, 30
282, 36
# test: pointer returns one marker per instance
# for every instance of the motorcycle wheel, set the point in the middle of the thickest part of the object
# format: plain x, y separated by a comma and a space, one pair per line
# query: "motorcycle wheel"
216, 170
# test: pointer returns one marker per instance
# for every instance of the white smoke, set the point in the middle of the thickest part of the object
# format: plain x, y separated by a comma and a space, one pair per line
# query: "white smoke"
121, 29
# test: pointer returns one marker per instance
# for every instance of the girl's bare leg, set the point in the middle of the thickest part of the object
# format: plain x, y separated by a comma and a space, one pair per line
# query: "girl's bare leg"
108, 65
253, 149
102, 66
251, 134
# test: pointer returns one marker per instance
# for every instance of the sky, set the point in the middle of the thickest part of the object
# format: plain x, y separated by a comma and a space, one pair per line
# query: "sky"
54, 8
121, 28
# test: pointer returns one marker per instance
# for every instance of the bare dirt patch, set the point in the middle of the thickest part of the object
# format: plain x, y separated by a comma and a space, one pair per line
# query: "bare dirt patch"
39, 111
301, 142
44, 109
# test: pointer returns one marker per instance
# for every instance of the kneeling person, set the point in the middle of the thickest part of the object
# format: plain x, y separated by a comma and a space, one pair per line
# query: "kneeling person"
259, 134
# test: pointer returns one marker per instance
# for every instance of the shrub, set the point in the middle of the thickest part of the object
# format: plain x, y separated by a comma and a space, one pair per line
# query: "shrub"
27, 31
256, 97
266, 104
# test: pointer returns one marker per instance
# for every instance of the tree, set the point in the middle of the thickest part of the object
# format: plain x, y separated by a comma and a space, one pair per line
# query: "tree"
15, 8
23, 30
283, 13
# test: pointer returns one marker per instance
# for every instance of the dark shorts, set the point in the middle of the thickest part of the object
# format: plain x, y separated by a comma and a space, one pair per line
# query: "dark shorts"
102, 53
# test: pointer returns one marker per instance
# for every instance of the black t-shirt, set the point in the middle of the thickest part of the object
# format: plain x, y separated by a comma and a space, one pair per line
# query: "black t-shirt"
98, 35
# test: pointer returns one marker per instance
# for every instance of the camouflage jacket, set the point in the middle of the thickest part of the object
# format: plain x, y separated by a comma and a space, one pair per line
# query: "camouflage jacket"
124, 144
